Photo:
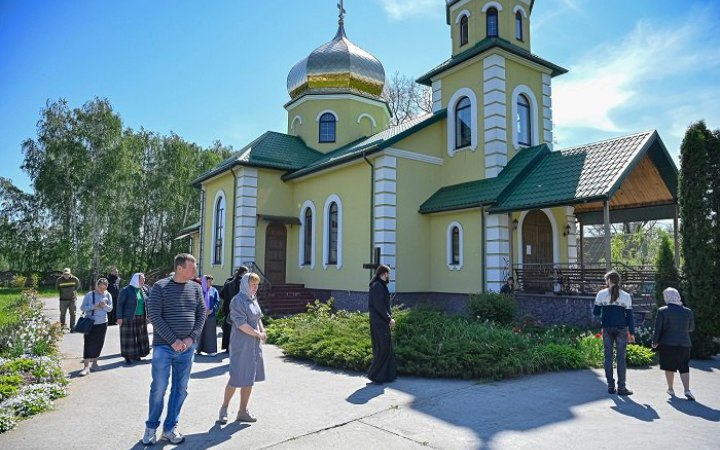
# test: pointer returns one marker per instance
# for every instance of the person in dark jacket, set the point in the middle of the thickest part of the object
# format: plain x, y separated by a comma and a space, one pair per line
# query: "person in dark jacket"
228, 291
614, 306
67, 286
207, 341
113, 280
132, 318
382, 368
673, 325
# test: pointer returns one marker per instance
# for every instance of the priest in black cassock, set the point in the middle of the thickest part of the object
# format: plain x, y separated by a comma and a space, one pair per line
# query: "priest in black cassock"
382, 368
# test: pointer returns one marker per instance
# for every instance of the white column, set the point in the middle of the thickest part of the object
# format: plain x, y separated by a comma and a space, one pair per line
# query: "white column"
547, 110
497, 250
494, 114
245, 215
572, 237
385, 214
437, 95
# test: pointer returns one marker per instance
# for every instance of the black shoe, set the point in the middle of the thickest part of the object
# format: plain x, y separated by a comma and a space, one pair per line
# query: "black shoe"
624, 391
128, 361
611, 390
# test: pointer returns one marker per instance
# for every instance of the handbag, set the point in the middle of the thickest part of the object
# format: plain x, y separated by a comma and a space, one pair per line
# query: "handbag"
84, 324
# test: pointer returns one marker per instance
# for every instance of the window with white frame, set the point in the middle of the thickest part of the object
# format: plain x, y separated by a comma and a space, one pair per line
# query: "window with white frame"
491, 21
327, 127
455, 254
524, 120
463, 30
307, 233
518, 26
462, 132
333, 233
218, 229
463, 129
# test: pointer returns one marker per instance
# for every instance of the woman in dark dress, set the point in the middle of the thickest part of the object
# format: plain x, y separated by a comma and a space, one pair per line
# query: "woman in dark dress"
382, 368
113, 280
207, 341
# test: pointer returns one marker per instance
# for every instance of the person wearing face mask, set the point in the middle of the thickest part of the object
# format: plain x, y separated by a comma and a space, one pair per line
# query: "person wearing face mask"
132, 318
96, 304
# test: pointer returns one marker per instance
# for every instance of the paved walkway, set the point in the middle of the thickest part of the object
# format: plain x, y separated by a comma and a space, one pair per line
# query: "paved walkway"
302, 406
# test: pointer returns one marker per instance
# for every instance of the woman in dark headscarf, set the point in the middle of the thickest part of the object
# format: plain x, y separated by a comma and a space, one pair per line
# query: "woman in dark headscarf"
207, 341
382, 368
132, 318
113, 289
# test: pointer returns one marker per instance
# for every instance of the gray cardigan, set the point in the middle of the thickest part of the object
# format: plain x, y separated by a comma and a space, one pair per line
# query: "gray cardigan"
673, 325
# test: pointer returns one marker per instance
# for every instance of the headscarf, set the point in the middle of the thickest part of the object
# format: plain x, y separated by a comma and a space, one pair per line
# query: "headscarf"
206, 291
672, 296
135, 280
245, 286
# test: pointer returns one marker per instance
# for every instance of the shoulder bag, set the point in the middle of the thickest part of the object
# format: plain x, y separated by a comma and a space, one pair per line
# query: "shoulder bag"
85, 323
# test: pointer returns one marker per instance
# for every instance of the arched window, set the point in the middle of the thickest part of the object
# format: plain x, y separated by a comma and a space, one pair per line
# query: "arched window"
332, 233
492, 22
327, 128
524, 136
464, 30
454, 246
463, 129
518, 26
219, 230
308, 236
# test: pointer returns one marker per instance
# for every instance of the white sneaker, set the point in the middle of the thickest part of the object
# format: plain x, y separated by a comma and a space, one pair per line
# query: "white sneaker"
689, 395
150, 436
671, 392
94, 366
173, 436
84, 372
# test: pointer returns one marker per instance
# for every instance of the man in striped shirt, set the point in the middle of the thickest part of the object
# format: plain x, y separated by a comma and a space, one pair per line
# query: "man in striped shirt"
177, 312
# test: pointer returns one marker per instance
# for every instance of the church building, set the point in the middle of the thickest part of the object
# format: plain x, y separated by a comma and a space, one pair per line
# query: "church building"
454, 201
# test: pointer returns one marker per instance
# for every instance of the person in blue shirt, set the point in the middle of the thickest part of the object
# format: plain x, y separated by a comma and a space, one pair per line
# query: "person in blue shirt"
614, 306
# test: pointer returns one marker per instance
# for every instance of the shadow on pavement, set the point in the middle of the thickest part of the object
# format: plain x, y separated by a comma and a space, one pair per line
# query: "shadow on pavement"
695, 409
212, 437
365, 394
628, 407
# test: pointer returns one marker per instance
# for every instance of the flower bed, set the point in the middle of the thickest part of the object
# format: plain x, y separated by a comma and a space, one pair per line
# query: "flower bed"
30, 373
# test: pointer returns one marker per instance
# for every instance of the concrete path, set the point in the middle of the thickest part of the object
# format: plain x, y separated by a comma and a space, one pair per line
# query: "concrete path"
303, 406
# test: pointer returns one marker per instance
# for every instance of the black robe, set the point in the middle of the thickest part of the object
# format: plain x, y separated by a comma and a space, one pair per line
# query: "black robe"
114, 290
382, 368
228, 291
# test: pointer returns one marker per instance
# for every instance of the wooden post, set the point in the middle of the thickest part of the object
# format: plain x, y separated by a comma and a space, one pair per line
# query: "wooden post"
512, 253
606, 223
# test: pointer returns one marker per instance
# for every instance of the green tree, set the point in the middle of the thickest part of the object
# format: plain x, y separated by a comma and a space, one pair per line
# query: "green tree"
666, 274
696, 226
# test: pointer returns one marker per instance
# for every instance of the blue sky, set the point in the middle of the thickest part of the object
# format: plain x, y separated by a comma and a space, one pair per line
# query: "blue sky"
217, 70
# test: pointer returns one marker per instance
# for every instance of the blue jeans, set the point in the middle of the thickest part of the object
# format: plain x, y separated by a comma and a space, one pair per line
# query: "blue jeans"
615, 337
164, 361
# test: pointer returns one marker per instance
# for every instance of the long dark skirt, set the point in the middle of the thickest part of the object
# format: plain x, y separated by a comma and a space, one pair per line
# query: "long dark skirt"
94, 341
226, 330
382, 368
207, 341
134, 341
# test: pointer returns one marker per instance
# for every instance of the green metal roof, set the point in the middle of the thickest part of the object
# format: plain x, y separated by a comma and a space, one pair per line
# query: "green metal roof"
478, 193
483, 46
271, 150
367, 146
587, 173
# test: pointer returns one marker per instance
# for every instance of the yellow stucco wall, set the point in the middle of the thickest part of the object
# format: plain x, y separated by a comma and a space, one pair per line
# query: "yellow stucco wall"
347, 111
477, 25
225, 183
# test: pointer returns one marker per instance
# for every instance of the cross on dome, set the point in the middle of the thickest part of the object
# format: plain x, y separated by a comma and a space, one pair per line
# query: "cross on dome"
341, 14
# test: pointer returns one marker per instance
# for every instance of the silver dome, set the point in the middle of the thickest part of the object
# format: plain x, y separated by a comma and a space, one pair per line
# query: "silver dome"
336, 67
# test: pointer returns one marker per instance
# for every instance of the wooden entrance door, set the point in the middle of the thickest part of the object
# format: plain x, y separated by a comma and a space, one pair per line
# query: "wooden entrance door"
275, 253
537, 251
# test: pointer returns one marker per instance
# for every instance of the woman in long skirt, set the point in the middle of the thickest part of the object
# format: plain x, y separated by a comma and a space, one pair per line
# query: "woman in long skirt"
96, 305
207, 341
382, 368
246, 359
113, 279
132, 318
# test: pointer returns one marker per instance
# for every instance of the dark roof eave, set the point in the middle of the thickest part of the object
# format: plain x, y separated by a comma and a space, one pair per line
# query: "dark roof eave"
455, 208
483, 46
552, 204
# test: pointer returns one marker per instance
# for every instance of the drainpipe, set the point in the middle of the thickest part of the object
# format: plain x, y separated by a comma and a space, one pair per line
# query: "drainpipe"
232, 232
482, 249
372, 208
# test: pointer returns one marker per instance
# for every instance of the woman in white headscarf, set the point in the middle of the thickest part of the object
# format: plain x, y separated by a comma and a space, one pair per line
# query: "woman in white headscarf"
673, 325
246, 359
132, 318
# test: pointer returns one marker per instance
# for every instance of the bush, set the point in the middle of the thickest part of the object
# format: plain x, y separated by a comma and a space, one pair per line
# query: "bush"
7, 420
592, 349
553, 357
494, 307
18, 281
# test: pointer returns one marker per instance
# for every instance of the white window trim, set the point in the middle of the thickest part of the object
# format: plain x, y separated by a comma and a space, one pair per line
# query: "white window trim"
534, 119
448, 251
320, 114
521, 9
460, 15
489, 5
301, 252
371, 118
460, 93
326, 231
292, 124
218, 195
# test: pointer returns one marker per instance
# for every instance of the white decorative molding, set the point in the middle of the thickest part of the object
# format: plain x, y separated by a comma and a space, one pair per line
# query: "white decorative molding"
489, 5
413, 156
219, 195
437, 95
368, 116
521, 9
534, 120
459, 94
495, 114
385, 213
299, 101
572, 236
245, 215
334, 198
324, 111
497, 249
459, 4
461, 14
301, 251
292, 124
547, 110
555, 230
449, 249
